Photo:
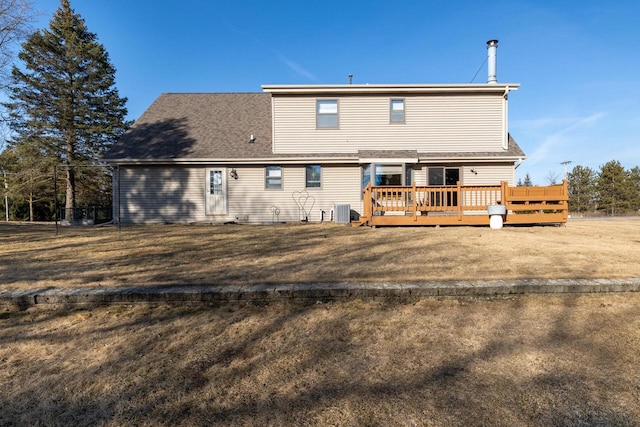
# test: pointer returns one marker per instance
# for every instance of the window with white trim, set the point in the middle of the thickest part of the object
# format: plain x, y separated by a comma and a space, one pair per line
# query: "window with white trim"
396, 111
443, 176
388, 174
327, 113
313, 175
273, 177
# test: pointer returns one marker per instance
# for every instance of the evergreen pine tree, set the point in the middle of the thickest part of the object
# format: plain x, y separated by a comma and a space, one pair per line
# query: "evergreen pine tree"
633, 187
64, 99
582, 185
527, 181
612, 188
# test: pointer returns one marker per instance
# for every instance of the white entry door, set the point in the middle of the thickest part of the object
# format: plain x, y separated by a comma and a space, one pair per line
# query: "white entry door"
216, 192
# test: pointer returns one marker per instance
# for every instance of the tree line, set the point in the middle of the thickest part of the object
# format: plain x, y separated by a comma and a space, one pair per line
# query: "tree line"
610, 190
63, 113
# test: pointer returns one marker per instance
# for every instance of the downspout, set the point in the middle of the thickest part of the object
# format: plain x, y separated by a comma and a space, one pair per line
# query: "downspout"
515, 166
505, 118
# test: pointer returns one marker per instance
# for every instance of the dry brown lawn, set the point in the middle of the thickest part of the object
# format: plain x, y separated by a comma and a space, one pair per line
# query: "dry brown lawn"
570, 360
532, 360
33, 256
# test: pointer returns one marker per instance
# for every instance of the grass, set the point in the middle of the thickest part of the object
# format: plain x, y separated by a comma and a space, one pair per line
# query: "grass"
537, 360
531, 360
35, 257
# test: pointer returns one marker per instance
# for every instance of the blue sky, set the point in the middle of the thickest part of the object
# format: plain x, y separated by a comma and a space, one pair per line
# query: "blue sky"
578, 63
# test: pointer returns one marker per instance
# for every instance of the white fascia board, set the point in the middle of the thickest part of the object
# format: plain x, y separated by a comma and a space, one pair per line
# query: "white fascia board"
313, 160
470, 159
261, 161
396, 89
388, 160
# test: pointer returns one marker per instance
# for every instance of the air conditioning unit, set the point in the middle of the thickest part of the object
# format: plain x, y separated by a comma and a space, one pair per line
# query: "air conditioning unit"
342, 213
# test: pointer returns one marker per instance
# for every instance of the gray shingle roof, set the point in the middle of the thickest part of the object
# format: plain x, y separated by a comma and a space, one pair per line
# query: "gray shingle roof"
199, 126
514, 151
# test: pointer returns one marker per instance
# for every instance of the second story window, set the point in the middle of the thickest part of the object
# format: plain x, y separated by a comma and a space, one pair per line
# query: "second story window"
327, 113
396, 111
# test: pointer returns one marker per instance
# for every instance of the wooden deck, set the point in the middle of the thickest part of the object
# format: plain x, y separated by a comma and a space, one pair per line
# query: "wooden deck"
463, 205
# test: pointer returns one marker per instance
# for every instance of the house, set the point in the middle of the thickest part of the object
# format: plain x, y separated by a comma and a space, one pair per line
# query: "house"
299, 152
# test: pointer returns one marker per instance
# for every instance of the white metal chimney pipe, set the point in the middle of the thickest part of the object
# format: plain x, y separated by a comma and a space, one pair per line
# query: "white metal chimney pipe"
492, 47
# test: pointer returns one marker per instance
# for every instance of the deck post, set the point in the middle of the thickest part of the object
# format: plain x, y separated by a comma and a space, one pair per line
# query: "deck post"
459, 199
504, 197
367, 203
565, 203
414, 198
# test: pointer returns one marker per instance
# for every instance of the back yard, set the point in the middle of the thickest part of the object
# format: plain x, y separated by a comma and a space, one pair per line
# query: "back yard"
529, 360
33, 256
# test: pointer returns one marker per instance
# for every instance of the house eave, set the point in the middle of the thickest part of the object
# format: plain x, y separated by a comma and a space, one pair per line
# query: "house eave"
476, 159
392, 88
236, 161
354, 159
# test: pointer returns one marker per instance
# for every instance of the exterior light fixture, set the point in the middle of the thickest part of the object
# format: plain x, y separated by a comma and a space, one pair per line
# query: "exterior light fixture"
234, 173
252, 139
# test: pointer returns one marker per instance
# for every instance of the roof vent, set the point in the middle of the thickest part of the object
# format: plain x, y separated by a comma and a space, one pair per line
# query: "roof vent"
492, 47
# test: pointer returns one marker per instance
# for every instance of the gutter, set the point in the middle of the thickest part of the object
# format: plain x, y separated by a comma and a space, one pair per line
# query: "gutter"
308, 160
417, 88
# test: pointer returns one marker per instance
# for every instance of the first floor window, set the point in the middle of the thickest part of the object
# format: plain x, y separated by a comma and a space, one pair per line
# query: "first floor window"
366, 175
388, 175
443, 176
273, 177
313, 173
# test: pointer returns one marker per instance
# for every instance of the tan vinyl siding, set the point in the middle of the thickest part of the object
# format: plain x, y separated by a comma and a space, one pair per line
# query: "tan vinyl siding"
250, 202
176, 194
161, 194
489, 174
440, 123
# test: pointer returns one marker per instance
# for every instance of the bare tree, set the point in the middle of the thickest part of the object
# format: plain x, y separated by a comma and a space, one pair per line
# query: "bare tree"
552, 177
15, 19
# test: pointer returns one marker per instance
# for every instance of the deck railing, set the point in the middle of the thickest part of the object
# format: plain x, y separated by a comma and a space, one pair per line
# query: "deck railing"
398, 205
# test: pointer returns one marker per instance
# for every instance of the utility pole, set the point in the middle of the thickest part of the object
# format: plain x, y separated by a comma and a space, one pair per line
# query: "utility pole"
6, 196
565, 163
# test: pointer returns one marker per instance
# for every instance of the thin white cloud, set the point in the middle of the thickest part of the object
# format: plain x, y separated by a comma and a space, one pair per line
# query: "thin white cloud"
562, 137
292, 65
297, 68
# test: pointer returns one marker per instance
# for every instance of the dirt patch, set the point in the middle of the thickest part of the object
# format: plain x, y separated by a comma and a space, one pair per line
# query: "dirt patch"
34, 257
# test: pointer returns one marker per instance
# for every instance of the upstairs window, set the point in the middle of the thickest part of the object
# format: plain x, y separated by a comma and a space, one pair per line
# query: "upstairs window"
273, 177
313, 173
397, 111
327, 113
